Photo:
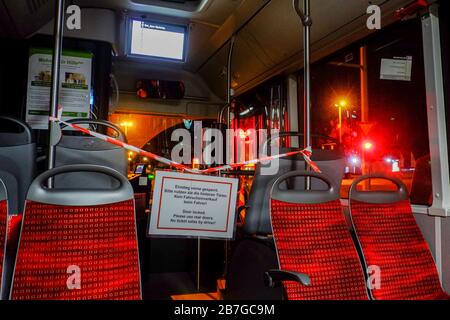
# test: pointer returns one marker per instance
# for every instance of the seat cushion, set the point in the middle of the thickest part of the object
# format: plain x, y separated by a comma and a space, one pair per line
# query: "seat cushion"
57, 243
391, 239
315, 240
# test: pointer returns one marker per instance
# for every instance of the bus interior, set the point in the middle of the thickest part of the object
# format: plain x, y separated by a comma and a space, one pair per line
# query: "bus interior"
327, 120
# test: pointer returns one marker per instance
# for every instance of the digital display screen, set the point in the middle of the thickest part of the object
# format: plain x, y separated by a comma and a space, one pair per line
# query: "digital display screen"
139, 169
157, 40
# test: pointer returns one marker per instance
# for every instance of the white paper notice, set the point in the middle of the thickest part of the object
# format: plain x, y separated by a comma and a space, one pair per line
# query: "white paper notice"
186, 205
74, 91
143, 181
399, 68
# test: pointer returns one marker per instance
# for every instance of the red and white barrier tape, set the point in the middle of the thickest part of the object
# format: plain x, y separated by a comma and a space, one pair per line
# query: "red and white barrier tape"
306, 153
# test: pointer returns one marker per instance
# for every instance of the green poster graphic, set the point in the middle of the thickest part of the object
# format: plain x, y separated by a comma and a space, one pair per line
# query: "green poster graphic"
74, 90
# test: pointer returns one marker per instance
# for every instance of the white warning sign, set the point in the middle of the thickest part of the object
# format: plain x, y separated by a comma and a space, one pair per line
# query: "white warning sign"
187, 205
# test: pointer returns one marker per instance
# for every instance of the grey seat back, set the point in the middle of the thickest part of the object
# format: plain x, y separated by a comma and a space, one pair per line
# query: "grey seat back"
75, 149
17, 161
257, 219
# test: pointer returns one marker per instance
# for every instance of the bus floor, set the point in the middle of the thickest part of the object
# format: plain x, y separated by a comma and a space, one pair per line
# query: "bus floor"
177, 286
162, 286
169, 268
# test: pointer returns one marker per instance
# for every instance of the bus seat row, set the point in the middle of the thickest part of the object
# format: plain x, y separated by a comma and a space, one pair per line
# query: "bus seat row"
254, 253
314, 256
96, 234
390, 239
76, 149
311, 236
18, 160
78, 243
17, 171
18, 157
257, 218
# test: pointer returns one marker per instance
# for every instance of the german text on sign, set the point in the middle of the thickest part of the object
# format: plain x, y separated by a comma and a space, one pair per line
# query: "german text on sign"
187, 205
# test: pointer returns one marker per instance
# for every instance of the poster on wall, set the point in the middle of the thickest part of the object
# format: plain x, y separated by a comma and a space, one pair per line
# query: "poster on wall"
74, 90
187, 205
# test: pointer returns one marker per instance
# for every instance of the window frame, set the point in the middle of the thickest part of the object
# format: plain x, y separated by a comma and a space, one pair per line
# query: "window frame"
437, 125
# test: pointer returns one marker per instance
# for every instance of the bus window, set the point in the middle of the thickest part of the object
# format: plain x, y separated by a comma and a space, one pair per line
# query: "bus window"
263, 108
390, 134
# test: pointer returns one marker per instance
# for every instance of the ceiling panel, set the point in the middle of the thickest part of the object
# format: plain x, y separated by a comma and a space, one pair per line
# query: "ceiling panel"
273, 39
279, 31
270, 43
214, 12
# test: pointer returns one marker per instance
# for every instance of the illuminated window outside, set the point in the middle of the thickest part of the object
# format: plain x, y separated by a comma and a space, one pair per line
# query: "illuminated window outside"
391, 134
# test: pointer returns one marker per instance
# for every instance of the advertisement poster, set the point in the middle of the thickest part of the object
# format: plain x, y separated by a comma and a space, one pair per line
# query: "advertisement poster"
75, 87
186, 205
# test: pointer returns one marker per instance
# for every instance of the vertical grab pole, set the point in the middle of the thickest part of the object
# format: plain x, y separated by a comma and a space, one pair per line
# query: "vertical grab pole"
54, 95
364, 106
230, 60
305, 16
227, 106
229, 76
307, 70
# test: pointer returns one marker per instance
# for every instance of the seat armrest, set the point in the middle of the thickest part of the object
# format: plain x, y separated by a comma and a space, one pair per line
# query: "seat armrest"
275, 278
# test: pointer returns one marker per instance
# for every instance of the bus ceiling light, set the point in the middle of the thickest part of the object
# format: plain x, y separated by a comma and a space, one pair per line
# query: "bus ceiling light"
126, 124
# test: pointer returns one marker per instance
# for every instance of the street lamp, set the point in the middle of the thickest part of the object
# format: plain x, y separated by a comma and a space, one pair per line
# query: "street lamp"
340, 105
368, 146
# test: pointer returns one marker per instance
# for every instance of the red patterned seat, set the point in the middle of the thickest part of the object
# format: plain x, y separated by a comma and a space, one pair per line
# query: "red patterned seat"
17, 170
391, 240
74, 252
314, 239
14, 224
3, 237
